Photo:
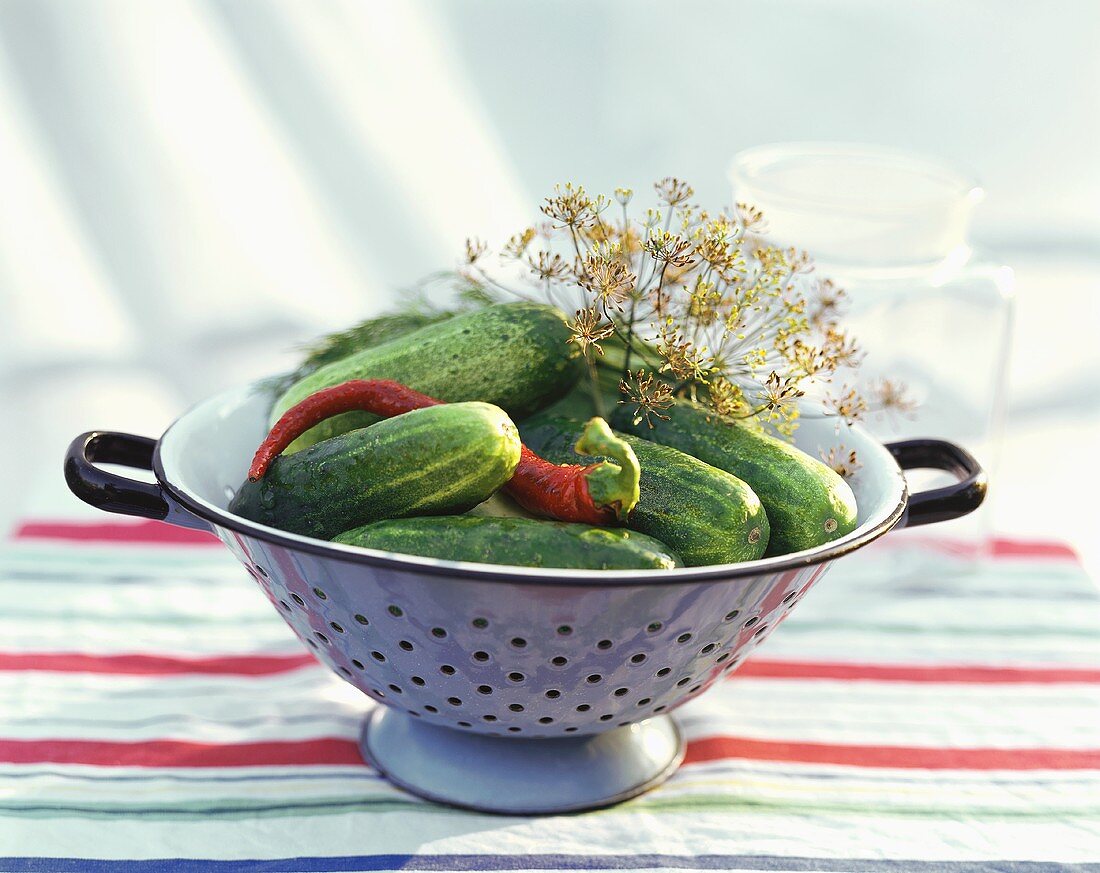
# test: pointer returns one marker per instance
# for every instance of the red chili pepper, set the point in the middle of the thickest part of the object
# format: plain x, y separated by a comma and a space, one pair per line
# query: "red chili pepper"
600, 493
383, 397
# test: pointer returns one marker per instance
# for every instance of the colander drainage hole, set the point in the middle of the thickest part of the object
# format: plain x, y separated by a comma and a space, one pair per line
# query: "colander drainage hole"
481, 656
297, 599
708, 648
664, 671
395, 611
357, 664
570, 730
732, 614
480, 623
320, 593
484, 689
604, 644
553, 694
321, 637
624, 724
760, 630
488, 718
654, 626
345, 671
519, 643
660, 708
312, 644
362, 619
416, 680
439, 633
516, 707
406, 645
338, 628
619, 692
722, 658
791, 596
683, 681
752, 621
413, 713
284, 605
261, 571
564, 630
396, 689
559, 661
645, 701
378, 692
607, 717
584, 707
515, 730
694, 688
683, 638
447, 670
546, 720
638, 658
594, 679
464, 724
429, 708
379, 657
516, 677
454, 701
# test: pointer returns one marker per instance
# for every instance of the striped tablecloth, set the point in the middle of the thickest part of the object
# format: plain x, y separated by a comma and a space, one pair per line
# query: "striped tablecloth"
156, 714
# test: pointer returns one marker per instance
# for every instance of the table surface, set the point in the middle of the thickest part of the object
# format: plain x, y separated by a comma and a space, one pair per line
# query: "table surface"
154, 707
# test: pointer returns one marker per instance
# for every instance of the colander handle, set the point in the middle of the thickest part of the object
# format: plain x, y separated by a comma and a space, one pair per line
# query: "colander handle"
950, 501
114, 493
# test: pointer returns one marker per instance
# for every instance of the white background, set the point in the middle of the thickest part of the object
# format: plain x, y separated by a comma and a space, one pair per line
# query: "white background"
190, 189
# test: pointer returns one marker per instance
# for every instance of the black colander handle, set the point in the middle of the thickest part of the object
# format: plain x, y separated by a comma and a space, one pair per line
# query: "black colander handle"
114, 493
950, 501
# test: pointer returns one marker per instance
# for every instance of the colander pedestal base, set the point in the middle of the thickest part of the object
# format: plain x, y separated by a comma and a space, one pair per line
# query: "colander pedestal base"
520, 776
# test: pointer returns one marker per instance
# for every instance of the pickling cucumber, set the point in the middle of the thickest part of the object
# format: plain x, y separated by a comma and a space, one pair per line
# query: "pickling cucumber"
807, 502
706, 515
521, 542
514, 355
437, 460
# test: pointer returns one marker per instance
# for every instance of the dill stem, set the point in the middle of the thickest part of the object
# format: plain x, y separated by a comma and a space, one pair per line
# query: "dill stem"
594, 384
629, 339
490, 280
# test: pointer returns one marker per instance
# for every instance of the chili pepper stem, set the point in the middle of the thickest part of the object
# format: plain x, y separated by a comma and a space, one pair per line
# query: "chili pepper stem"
615, 482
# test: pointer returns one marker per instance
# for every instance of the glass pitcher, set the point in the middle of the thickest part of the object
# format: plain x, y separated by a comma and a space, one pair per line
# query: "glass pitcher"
890, 227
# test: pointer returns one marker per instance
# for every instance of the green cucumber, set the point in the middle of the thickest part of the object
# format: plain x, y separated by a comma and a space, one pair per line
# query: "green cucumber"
808, 504
706, 515
515, 355
437, 460
520, 542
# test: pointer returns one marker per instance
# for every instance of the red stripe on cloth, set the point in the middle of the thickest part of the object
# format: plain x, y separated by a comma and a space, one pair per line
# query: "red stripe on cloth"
334, 750
159, 532
113, 532
1013, 548
758, 668
146, 665
179, 753
907, 757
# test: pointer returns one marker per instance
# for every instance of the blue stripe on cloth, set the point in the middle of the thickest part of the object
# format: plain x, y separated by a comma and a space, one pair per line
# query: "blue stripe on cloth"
351, 864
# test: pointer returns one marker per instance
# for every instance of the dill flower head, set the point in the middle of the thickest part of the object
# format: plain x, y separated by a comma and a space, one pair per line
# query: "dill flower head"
697, 303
